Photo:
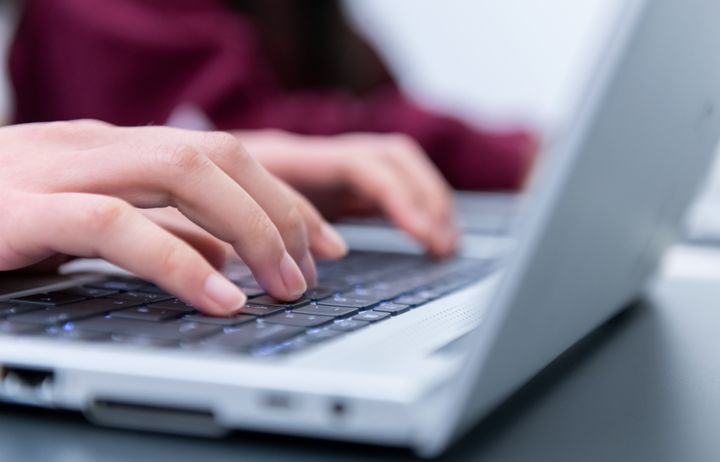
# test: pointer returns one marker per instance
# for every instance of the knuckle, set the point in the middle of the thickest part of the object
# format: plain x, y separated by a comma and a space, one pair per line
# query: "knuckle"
260, 225
405, 144
181, 158
222, 141
402, 138
226, 147
313, 221
173, 259
56, 129
261, 239
105, 215
293, 220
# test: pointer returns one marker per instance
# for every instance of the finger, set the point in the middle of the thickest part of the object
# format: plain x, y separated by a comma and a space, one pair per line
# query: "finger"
176, 173
325, 242
428, 184
88, 225
226, 152
211, 248
380, 184
281, 207
430, 190
170, 218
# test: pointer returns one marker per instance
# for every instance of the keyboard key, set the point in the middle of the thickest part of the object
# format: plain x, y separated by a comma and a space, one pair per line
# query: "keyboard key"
348, 302
430, 294
173, 304
178, 330
87, 292
289, 346
143, 341
71, 333
50, 315
371, 316
142, 298
392, 308
147, 313
362, 293
221, 321
117, 284
266, 300
9, 309
151, 288
349, 325
261, 310
51, 298
375, 294
325, 310
299, 320
323, 335
320, 292
411, 300
247, 284
252, 336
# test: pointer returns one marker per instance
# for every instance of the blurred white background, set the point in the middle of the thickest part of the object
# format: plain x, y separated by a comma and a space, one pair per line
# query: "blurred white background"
504, 61
497, 61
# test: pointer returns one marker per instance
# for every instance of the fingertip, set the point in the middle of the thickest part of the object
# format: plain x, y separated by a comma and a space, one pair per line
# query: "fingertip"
450, 243
439, 239
337, 246
225, 295
292, 277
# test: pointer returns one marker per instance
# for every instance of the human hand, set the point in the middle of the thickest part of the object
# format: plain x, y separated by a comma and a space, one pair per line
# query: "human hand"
359, 173
75, 188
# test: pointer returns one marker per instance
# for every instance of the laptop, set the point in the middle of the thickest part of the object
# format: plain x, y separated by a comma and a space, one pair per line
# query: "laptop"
393, 348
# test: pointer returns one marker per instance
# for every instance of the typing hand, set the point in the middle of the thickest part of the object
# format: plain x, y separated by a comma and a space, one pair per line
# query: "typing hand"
359, 173
76, 188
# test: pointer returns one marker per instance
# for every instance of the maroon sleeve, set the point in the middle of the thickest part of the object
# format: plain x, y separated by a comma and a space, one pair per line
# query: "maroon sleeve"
132, 62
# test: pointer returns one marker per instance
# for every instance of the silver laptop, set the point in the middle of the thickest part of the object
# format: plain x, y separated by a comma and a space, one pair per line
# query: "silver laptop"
392, 348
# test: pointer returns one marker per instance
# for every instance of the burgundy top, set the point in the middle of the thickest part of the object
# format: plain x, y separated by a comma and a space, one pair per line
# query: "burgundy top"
132, 62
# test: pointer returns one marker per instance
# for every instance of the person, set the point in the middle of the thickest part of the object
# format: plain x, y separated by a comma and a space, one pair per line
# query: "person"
166, 203
246, 65
87, 188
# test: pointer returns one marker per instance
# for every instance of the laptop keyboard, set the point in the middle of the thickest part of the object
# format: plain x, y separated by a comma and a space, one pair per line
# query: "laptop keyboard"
353, 293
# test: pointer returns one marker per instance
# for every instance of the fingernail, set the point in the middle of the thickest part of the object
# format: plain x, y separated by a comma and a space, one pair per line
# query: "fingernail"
307, 266
292, 277
224, 293
334, 238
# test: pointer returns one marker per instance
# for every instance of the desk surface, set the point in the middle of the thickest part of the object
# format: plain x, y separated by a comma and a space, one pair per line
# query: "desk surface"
645, 387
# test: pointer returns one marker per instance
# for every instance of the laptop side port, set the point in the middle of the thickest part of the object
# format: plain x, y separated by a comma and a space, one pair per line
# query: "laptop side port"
27, 385
155, 417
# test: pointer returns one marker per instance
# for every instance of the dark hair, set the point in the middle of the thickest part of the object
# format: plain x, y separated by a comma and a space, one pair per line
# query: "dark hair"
311, 44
